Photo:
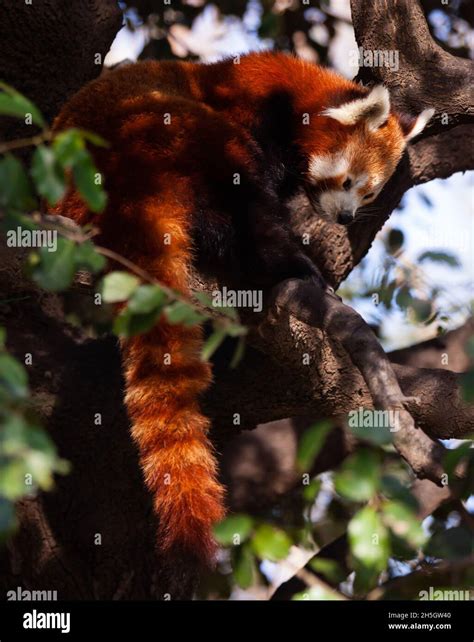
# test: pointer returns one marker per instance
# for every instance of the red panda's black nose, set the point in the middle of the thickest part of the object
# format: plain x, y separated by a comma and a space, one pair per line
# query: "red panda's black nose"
345, 217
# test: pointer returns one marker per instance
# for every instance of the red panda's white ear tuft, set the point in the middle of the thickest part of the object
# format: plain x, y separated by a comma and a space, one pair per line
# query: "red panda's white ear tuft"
374, 109
415, 126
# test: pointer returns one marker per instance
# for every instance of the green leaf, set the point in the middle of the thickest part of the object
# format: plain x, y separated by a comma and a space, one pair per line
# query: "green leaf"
85, 176
271, 543
29, 450
235, 330
371, 425
15, 188
128, 324
204, 299
454, 456
451, 544
393, 488
238, 353
439, 257
13, 376
330, 569
87, 258
12, 479
68, 147
147, 298
185, 313
93, 138
243, 566
212, 343
311, 442
118, 286
404, 523
421, 309
12, 103
228, 311
370, 547
7, 516
358, 478
142, 312
311, 490
48, 174
234, 526
55, 270
404, 297
467, 385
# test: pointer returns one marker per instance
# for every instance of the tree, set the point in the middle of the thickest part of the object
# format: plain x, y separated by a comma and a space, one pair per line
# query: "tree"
75, 378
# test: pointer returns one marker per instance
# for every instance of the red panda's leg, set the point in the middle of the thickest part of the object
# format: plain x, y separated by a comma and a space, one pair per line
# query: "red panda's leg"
274, 253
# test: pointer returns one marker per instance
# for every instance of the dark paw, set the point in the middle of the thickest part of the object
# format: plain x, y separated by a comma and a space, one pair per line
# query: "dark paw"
302, 267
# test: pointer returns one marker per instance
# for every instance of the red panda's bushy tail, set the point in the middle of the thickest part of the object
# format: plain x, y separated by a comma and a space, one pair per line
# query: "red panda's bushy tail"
165, 377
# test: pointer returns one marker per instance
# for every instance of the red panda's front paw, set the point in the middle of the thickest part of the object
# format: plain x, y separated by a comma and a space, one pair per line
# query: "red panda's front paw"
301, 266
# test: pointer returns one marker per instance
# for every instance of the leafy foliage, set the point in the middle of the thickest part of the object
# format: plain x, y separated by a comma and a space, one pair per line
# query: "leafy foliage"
28, 457
370, 499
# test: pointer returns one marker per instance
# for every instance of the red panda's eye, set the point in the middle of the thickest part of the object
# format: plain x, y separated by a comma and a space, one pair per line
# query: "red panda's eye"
367, 196
347, 184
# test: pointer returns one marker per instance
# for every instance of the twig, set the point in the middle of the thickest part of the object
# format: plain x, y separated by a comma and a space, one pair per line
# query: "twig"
33, 141
79, 236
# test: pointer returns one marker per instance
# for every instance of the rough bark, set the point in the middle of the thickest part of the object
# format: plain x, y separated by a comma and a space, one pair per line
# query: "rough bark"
50, 48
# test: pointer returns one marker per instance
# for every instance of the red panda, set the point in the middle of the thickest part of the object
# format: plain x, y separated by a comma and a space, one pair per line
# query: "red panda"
209, 154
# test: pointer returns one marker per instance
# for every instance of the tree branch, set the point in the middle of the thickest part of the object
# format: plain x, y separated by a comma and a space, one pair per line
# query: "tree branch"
428, 76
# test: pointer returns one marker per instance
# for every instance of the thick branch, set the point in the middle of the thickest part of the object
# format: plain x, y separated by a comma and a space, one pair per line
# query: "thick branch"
306, 373
428, 76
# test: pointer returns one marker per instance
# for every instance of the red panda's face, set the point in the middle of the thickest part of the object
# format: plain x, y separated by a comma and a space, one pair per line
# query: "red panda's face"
347, 169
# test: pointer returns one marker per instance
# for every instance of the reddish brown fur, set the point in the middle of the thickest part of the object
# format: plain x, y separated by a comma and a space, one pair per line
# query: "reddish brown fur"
154, 174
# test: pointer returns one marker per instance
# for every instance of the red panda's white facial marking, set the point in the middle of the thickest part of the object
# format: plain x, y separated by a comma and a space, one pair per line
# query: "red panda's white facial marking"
328, 166
368, 144
340, 183
341, 203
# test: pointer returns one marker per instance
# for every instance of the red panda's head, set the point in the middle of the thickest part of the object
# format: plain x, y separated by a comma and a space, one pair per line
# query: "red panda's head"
351, 151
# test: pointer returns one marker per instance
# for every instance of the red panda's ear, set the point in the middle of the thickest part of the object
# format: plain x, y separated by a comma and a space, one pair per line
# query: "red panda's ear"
414, 125
373, 109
